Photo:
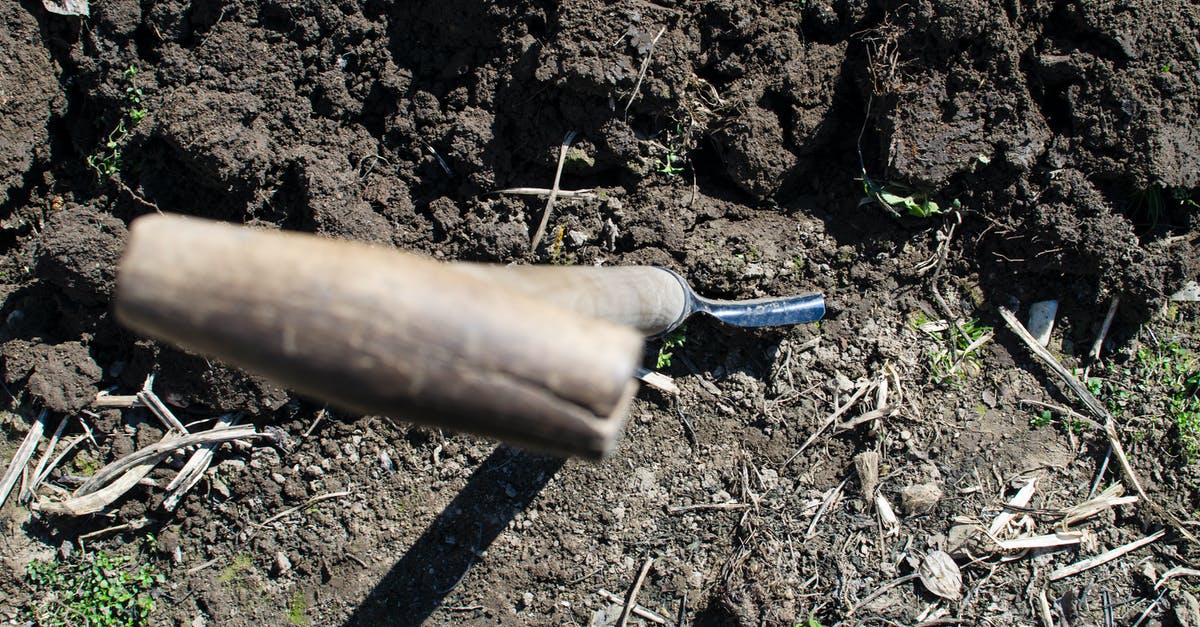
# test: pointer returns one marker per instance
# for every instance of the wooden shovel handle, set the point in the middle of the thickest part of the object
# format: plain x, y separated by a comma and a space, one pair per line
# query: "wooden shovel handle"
381, 331
648, 298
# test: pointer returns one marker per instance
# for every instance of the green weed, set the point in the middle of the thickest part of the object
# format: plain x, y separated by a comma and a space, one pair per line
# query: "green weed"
297, 608
230, 574
671, 164
1150, 206
1041, 420
672, 341
558, 256
897, 200
1174, 372
94, 589
106, 161
942, 364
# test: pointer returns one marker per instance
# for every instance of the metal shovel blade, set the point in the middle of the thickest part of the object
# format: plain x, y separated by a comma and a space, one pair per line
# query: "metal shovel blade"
763, 312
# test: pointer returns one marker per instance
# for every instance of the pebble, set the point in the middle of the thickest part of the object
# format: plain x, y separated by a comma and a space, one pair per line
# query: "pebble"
920, 498
1041, 320
385, 460
282, 563
278, 478
313, 470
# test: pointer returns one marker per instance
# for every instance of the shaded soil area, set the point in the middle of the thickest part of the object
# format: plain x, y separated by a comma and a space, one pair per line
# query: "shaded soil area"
756, 151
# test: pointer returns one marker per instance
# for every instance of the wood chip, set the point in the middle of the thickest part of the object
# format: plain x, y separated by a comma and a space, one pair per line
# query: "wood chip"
658, 381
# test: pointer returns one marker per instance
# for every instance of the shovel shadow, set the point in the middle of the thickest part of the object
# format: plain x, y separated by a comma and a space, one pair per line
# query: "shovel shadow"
507, 481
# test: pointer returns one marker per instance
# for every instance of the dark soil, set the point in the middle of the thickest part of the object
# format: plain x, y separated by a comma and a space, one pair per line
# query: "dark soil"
1062, 139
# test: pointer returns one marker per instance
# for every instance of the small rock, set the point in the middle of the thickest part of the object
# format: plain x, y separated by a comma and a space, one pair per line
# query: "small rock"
231, 466
385, 460
920, 498
989, 398
65, 550
278, 478
1041, 320
844, 384
577, 238
527, 599
313, 471
282, 564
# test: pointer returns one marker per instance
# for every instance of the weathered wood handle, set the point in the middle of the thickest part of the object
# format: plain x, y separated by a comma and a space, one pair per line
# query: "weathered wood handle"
381, 331
647, 298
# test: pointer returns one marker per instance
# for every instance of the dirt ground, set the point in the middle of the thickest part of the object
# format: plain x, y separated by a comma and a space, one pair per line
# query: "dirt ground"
756, 150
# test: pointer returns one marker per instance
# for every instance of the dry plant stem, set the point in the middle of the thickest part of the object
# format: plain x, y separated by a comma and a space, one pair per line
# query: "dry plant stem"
313, 501
1100, 473
156, 407
93, 502
1044, 608
1019, 500
21, 457
1048, 541
832, 498
1108, 499
631, 596
1093, 405
680, 509
658, 381
543, 192
874, 414
645, 66
160, 450
1108, 320
28, 492
638, 610
1178, 571
57, 460
554, 191
880, 590
1105, 557
132, 525
107, 401
862, 389
193, 470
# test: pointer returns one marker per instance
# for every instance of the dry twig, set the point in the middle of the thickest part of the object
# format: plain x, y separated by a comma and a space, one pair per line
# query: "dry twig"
638, 610
631, 596
645, 66
313, 501
554, 191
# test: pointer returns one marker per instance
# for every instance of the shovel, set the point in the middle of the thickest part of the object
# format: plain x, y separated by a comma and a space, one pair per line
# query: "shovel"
542, 357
